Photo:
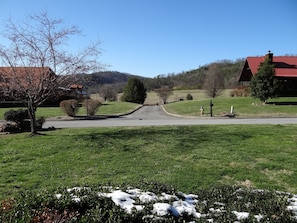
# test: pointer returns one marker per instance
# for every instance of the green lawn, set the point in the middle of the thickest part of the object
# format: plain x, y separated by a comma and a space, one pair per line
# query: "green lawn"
243, 107
108, 108
187, 157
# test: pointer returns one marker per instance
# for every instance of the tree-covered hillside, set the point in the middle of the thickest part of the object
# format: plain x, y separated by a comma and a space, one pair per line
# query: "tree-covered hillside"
193, 79
111, 78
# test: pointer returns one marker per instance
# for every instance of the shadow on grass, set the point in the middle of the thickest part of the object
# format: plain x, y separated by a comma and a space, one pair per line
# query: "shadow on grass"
282, 103
187, 137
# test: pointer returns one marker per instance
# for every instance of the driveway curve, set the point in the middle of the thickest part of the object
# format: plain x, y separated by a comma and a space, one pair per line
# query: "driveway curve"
155, 116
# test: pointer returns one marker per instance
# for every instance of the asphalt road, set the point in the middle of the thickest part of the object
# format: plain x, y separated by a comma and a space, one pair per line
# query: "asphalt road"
155, 116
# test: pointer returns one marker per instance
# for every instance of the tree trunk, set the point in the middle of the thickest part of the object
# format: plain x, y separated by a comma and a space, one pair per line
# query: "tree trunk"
31, 112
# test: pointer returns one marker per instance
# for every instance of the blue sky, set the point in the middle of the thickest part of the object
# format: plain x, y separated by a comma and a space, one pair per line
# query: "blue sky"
153, 37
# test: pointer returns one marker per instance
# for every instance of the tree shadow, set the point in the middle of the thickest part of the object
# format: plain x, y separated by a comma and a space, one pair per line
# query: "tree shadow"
282, 103
184, 137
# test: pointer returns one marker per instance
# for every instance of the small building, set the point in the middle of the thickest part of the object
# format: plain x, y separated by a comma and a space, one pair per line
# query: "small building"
285, 70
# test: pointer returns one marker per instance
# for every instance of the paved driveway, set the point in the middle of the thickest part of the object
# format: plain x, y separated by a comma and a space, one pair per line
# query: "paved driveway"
155, 116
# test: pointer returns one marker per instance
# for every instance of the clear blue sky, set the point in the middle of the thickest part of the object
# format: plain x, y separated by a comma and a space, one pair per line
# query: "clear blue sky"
153, 37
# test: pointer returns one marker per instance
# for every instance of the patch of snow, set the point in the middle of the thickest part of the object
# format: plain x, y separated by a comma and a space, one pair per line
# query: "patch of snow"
241, 215
259, 217
165, 196
76, 199
166, 204
218, 210
148, 197
124, 200
76, 189
162, 209
58, 196
293, 205
186, 207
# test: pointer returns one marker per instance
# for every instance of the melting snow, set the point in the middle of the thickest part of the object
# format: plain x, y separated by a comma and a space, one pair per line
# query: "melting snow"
167, 204
241, 215
293, 205
162, 209
124, 200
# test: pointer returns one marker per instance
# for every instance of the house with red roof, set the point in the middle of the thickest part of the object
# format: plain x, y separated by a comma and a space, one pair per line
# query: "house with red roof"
20, 79
285, 70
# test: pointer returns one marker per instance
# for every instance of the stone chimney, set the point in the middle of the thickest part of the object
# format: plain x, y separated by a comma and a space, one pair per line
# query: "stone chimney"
269, 56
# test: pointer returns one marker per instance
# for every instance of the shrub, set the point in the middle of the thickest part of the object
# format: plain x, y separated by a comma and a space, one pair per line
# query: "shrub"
84, 205
70, 107
134, 91
92, 106
16, 115
241, 91
18, 121
189, 97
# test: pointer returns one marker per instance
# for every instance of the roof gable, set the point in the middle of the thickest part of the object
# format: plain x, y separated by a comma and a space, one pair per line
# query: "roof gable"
25, 77
285, 66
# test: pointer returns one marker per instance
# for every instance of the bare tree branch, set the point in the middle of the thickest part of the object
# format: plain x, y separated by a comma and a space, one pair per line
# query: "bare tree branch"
214, 81
39, 60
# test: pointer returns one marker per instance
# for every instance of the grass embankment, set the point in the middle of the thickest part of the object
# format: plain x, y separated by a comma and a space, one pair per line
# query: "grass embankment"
108, 108
189, 158
243, 107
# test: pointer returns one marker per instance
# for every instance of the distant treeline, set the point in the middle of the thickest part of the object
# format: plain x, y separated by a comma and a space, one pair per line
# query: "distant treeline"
193, 79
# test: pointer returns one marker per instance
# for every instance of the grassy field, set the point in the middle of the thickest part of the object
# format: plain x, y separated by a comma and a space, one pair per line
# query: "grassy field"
243, 107
189, 158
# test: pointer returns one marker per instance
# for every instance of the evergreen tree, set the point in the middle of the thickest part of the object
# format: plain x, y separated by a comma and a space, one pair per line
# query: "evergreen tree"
264, 84
134, 91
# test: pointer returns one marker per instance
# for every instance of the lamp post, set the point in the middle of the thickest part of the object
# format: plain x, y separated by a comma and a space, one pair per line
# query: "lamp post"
210, 105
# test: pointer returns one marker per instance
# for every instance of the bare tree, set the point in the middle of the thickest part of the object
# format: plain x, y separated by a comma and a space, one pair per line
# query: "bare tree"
214, 80
108, 92
39, 46
164, 93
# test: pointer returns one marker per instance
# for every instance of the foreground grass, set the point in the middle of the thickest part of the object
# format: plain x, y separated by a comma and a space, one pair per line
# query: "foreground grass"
189, 158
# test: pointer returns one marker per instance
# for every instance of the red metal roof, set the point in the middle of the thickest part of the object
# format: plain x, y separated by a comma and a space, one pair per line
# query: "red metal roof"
285, 66
24, 77
76, 86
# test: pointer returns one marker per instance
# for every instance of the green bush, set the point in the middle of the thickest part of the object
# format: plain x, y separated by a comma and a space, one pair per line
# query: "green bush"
91, 106
19, 121
134, 91
16, 115
189, 97
70, 107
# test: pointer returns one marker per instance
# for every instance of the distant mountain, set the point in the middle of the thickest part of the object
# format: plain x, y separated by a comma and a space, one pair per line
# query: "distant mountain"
116, 79
108, 77
192, 79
